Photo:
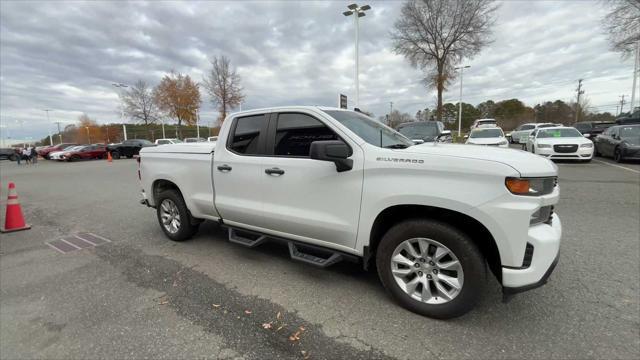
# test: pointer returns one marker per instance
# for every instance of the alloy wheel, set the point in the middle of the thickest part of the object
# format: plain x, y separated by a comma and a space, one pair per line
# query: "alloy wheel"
427, 271
170, 216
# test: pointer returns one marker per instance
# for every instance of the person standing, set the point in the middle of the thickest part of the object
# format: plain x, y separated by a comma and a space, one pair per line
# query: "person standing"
26, 156
18, 152
34, 155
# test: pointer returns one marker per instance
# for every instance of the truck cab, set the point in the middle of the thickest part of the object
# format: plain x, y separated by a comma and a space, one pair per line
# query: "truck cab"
336, 185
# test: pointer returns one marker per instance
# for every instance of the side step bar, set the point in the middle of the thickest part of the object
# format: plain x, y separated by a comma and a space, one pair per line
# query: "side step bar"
310, 254
234, 237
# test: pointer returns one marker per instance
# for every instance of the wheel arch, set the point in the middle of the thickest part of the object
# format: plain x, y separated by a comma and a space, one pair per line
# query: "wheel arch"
160, 185
476, 231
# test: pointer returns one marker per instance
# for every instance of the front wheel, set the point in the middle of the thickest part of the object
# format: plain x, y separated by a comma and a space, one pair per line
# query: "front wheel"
617, 155
115, 155
431, 268
174, 217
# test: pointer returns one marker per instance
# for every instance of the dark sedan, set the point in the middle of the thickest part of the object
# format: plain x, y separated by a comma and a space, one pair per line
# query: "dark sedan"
591, 129
620, 142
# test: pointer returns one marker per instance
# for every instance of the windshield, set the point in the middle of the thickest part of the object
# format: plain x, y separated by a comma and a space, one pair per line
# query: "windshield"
370, 130
602, 126
486, 133
629, 131
420, 131
556, 133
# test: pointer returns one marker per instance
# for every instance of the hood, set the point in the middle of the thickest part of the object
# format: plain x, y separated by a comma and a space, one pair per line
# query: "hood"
563, 140
634, 140
525, 163
486, 141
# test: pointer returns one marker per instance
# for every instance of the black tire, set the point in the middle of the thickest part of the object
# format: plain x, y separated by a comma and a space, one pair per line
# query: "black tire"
472, 261
115, 155
617, 155
586, 161
596, 153
13, 158
74, 158
188, 226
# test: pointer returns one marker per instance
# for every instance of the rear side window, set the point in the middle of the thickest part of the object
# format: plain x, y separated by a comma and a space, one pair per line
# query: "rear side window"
527, 127
296, 132
247, 135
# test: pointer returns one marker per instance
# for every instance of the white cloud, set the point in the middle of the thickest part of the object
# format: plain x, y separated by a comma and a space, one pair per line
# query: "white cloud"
65, 55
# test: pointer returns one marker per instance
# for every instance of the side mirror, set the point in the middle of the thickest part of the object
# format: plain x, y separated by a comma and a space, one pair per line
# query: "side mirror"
445, 133
335, 151
466, 137
587, 135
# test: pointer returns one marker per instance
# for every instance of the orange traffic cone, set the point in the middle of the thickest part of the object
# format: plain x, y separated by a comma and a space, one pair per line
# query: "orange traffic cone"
109, 158
13, 220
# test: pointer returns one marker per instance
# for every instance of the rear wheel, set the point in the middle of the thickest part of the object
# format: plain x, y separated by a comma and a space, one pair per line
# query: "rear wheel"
115, 155
174, 217
431, 268
595, 150
74, 158
13, 157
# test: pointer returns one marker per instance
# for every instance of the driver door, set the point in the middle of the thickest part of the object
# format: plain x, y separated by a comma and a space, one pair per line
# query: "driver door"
307, 199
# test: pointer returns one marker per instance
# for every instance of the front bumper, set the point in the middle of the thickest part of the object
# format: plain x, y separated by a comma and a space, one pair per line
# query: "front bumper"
631, 153
545, 239
580, 154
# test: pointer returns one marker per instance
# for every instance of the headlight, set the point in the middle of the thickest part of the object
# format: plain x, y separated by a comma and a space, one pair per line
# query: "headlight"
531, 186
504, 143
544, 146
586, 145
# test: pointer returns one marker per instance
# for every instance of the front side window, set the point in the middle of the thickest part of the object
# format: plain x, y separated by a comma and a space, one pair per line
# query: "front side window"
369, 130
295, 133
247, 135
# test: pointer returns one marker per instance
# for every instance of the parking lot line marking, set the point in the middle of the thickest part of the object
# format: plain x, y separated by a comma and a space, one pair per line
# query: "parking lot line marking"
66, 242
58, 250
99, 237
90, 242
618, 166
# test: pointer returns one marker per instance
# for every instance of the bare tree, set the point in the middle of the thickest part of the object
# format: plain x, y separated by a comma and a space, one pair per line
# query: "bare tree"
623, 25
435, 35
138, 103
223, 84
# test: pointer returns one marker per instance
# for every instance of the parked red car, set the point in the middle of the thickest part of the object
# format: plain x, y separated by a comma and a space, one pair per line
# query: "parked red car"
45, 152
87, 153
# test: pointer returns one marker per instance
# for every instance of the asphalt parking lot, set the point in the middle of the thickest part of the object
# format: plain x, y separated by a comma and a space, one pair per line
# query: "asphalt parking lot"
143, 296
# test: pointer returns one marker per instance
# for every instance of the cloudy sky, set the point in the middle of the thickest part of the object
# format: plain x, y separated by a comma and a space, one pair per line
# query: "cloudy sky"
64, 56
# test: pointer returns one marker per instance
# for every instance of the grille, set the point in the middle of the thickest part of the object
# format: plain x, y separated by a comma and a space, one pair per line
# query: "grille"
565, 148
528, 255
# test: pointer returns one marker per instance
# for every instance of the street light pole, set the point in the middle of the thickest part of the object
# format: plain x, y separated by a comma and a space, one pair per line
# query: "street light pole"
198, 124
49, 127
124, 127
461, 68
358, 12
88, 135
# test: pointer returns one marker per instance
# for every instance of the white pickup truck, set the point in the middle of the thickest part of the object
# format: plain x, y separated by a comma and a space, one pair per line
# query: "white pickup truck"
337, 185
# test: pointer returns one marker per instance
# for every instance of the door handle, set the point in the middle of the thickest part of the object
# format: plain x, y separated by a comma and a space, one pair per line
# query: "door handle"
224, 168
274, 171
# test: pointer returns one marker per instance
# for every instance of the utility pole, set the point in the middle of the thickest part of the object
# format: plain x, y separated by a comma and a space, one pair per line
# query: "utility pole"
49, 127
358, 12
59, 132
580, 92
621, 104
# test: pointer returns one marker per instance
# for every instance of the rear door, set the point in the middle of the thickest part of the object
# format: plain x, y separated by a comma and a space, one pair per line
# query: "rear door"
305, 199
237, 179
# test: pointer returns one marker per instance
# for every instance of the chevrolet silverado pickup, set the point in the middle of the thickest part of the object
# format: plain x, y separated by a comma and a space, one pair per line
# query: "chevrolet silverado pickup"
336, 185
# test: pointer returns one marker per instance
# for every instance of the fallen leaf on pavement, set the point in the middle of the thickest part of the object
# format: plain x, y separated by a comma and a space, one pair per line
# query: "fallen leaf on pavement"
279, 316
164, 302
247, 312
266, 325
295, 336
215, 305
